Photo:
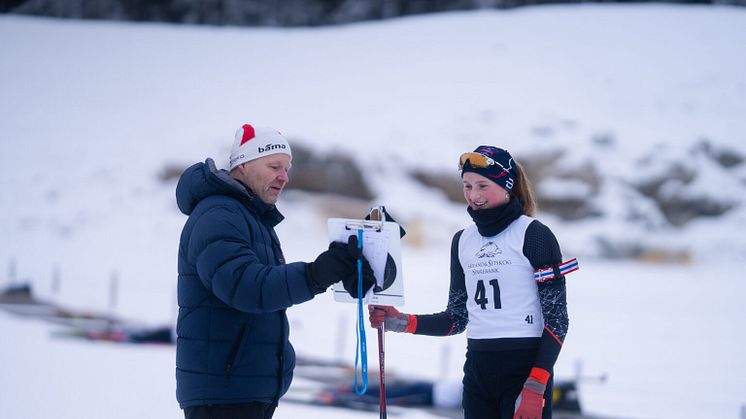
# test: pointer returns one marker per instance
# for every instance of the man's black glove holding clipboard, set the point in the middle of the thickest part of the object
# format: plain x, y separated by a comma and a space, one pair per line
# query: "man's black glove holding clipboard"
339, 263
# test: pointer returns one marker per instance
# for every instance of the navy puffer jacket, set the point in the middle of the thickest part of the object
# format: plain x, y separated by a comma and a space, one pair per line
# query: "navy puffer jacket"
234, 286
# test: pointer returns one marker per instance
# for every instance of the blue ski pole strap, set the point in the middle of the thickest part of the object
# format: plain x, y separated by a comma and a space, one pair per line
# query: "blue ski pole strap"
361, 352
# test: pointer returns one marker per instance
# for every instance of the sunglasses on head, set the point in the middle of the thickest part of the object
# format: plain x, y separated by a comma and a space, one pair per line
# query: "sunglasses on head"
480, 161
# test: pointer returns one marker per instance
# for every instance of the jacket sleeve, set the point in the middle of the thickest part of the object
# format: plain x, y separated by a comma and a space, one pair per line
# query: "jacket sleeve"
542, 250
227, 264
455, 317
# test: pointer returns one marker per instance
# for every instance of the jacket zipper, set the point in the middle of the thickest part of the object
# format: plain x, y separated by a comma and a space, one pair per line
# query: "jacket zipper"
233, 353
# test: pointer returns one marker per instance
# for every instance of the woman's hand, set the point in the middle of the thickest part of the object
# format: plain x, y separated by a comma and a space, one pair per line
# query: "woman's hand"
392, 319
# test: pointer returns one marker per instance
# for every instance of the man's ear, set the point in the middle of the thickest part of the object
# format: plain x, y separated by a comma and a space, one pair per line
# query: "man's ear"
242, 169
238, 171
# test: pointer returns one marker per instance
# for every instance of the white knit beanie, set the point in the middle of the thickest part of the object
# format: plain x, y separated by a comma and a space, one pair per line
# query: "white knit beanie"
254, 142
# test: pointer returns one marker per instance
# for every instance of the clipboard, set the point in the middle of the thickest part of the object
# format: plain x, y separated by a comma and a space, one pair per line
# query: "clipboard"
382, 249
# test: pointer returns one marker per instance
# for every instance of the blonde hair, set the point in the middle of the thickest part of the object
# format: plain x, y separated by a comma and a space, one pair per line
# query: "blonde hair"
524, 191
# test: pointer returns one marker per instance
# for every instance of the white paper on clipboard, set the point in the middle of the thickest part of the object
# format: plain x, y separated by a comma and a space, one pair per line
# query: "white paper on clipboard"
382, 249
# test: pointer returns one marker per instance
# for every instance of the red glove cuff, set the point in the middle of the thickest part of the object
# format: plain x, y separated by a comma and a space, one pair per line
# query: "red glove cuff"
540, 374
411, 323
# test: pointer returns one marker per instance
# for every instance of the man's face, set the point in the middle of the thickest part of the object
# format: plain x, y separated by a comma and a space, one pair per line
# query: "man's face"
265, 176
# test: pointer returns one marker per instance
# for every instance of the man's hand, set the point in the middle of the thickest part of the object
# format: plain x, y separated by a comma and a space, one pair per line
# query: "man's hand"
339, 263
353, 252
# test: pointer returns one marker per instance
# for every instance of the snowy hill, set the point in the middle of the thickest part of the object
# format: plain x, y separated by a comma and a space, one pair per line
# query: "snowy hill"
635, 112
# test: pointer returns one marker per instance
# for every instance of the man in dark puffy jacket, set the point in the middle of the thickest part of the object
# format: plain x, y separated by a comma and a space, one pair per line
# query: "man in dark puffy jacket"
233, 356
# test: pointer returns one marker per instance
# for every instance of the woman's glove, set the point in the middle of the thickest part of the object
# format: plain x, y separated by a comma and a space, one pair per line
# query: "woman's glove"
530, 402
389, 218
392, 319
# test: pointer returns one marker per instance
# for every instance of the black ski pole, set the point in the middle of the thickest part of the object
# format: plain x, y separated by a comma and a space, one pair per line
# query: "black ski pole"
378, 215
381, 369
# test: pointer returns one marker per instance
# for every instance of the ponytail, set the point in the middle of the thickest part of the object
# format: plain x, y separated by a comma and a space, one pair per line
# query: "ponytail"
524, 192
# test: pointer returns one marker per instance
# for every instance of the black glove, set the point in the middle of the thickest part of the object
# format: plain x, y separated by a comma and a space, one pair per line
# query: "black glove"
350, 282
339, 263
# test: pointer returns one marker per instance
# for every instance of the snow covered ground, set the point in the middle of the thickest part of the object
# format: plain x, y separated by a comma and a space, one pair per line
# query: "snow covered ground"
93, 111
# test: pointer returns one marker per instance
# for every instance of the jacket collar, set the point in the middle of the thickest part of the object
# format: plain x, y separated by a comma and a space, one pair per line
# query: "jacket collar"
268, 213
205, 179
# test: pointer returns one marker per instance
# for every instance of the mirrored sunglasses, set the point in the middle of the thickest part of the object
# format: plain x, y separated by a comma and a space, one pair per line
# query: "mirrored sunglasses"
480, 161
